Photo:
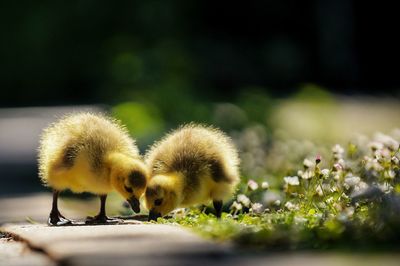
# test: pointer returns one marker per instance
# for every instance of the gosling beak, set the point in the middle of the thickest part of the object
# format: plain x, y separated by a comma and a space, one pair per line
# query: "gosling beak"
135, 205
153, 215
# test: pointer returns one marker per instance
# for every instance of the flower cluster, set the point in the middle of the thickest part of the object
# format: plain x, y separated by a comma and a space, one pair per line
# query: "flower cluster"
350, 192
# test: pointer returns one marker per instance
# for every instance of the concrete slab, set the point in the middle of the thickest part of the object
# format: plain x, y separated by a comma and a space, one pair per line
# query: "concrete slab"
146, 244
14, 253
136, 243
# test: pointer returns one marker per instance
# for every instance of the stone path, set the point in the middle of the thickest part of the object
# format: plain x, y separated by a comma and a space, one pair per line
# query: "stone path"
137, 243
144, 244
13, 253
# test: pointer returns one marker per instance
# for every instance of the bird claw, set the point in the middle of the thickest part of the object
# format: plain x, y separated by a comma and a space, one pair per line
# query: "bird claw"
58, 220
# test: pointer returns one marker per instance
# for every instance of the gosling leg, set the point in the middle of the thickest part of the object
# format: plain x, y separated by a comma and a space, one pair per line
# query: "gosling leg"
218, 207
56, 218
101, 218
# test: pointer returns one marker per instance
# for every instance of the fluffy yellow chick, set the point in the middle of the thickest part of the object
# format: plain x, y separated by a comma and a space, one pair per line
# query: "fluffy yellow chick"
87, 152
192, 165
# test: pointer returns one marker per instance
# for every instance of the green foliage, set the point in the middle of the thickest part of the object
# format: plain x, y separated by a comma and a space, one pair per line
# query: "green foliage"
143, 121
350, 199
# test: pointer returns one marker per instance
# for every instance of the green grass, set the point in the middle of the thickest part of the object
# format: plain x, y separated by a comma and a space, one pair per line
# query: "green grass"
348, 200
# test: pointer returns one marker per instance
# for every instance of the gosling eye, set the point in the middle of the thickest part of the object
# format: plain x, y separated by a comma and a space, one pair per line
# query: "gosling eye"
128, 189
158, 202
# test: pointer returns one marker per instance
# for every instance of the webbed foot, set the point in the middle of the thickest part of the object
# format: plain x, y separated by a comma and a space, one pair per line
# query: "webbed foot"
57, 219
102, 219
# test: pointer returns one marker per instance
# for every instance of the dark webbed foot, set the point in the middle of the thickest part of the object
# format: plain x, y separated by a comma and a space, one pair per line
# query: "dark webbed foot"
218, 207
101, 219
56, 219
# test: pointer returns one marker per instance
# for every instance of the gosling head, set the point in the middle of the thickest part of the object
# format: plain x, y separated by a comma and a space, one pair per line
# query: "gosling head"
161, 196
131, 182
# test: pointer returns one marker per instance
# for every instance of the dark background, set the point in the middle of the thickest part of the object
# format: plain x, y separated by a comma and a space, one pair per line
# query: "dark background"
79, 52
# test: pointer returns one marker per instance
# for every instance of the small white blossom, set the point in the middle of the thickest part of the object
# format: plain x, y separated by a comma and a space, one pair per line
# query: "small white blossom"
373, 164
388, 141
351, 181
290, 206
342, 163
292, 180
390, 174
265, 185
395, 160
338, 167
256, 208
307, 174
270, 197
385, 187
329, 200
337, 151
300, 220
321, 205
252, 184
236, 206
243, 199
308, 163
319, 191
375, 145
277, 202
179, 213
361, 187
325, 173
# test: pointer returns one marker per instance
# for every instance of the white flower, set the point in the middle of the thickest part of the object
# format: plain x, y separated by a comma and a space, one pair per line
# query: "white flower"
243, 199
179, 213
385, 187
351, 181
277, 202
270, 197
265, 185
375, 145
290, 206
307, 174
308, 163
236, 206
390, 174
388, 141
373, 164
395, 160
342, 163
337, 151
361, 187
252, 184
300, 220
256, 208
325, 173
329, 200
319, 191
292, 180
337, 167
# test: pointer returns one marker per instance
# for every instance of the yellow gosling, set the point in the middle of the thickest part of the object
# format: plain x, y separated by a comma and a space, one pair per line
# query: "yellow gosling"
192, 165
86, 152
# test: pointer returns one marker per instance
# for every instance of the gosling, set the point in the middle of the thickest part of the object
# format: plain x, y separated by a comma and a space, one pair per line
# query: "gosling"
190, 166
87, 152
